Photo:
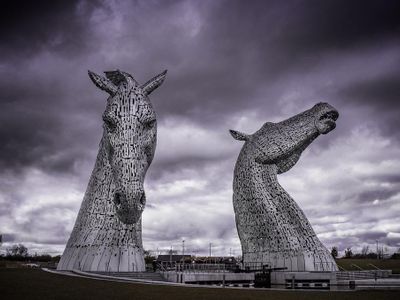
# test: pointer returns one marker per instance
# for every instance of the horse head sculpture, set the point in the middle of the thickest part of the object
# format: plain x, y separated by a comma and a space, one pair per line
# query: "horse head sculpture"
130, 133
107, 235
282, 143
272, 228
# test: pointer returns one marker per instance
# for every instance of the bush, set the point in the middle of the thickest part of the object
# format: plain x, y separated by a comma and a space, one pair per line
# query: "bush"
348, 253
395, 256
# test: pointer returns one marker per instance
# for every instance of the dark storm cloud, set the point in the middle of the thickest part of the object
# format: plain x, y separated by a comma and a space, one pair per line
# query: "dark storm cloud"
271, 37
27, 27
37, 131
392, 178
33, 99
224, 68
25, 145
8, 238
382, 195
381, 95
331, 25
231, 64
372, 236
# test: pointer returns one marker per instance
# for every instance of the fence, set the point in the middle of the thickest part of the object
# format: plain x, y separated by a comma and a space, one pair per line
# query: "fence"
353, 275
213, 268
204, 268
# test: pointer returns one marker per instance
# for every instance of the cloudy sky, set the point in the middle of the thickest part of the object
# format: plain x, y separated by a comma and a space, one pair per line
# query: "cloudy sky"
231, 65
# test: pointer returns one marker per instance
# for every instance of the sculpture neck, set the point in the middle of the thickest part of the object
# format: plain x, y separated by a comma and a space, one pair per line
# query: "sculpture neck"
257, 175
101, 182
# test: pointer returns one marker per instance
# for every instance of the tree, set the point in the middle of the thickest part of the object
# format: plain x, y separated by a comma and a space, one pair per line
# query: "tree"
148, 257
364, 251
334, 252
348, 253
56, 258
17, 250
380, 253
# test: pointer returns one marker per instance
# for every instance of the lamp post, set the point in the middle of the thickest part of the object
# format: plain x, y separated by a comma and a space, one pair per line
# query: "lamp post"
183, 255
377, 249
170, 257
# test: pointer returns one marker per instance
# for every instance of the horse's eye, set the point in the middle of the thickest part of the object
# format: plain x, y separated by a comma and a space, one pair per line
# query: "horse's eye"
150, 123
110, 123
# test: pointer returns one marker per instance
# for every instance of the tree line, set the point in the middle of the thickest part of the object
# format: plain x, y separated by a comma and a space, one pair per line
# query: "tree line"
19, 252
365, 253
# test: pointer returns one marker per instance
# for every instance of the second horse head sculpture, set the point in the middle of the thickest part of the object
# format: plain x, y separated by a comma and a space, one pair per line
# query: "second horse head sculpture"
272, 228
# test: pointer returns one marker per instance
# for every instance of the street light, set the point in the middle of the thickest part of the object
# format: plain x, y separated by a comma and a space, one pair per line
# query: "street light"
377, 249
183, 255
170, 257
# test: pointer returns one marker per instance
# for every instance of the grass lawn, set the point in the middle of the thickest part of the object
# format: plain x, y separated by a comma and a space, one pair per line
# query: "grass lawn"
37, 284
384, 264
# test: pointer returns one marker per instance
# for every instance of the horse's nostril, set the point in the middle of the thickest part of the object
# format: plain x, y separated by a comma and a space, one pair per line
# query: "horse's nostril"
143, 199
117, 198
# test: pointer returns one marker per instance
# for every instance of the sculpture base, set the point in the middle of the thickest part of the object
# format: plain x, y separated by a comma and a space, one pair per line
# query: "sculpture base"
103, 259
304, 280
302, 262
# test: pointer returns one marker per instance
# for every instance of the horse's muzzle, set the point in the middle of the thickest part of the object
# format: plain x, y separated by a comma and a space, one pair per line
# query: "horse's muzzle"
129, 208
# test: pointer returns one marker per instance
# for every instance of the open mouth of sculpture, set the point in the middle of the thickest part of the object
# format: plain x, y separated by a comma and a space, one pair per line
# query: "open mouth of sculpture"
327, 121
329, 117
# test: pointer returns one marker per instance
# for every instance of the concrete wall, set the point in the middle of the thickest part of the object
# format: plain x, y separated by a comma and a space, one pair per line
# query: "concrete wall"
173, 276
281, 277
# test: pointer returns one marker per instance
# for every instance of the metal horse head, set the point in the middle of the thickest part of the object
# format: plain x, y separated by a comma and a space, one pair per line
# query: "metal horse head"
272, 228
130, 133
282, 143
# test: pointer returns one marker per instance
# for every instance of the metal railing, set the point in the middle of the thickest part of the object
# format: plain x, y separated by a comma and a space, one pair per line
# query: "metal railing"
353, 275
324, 266
166, 266
202, 268
253, 266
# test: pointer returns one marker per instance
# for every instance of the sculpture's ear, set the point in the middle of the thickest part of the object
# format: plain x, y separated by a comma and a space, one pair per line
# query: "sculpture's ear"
103, 83
237, 135
153, 83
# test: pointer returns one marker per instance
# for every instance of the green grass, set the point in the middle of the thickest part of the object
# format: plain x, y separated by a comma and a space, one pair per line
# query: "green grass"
37, 284
384, 264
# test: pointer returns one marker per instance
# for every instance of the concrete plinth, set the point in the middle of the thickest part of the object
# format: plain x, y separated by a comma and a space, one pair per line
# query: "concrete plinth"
304, 280
203, 278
